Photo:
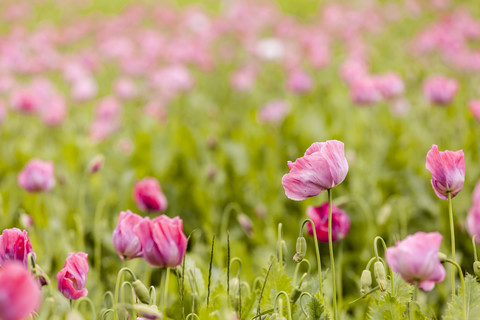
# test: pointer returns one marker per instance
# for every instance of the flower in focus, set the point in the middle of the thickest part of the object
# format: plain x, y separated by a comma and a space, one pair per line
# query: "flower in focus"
148, 195
319, 216
322, 167
37, 176
15, 245
440, 90
125, 241
71, 280
20, 293
273, 111
448, 171
163, 241
416, 259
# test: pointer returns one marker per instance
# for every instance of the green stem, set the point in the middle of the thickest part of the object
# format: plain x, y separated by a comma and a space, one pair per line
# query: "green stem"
414, 300
279, 244
330, 249
462, 281
297, 267
375, 249
287, 300
317, 251
452, 237
474, 238
166, 277
117, 289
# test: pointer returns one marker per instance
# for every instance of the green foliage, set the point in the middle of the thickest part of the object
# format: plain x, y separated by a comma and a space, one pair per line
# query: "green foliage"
455, 308
277, 281
387, 307
316, 310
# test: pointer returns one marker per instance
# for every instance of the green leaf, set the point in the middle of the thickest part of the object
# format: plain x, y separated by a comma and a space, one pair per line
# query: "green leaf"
277, 281
387, 307
316, 310
472, 296
403, 290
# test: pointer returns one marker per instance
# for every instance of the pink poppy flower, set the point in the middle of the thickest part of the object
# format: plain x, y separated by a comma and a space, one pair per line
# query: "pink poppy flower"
319, 216
390, 85
416, 259
148, 195
474, 107
37, 176
125, 241
274, 111
15, 245
440, 90
71, 280
322, 167
20, 293
448, 171
163, 241
299, 82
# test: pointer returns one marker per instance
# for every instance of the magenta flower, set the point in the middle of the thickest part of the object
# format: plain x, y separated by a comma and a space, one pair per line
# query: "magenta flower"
71, 280
440, 90
125, 241
148, 195
472, 222
273, 111
163, 241
37, 176
15, 245
390, 85
299, 82
364, 91
448, 171
319, 216
416, 259
20, 293
322, 167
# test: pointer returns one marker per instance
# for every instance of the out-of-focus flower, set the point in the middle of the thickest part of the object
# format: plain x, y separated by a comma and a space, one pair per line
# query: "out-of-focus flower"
271, 49
71, 280
125, 88
416, 259
54, 111
148, 195
243, 79
26, 221
37, 176
20, 293
319, 216
125, 241
472, 222
96, 164
15, 245
400, 107
163, 241
299, 82
474, 107
274, 111
448, 171
353, 69
173, 80
3, 111
246, 223
322, 167
364, 91
107, 119
390, 85
440, 90
84, 89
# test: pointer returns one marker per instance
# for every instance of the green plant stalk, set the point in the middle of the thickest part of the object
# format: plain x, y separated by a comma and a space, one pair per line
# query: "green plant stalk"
411, 313
330, 249
279, 302
279, 244
474, 243
452, 239
166, 277
462, 281
317, 251
375, 249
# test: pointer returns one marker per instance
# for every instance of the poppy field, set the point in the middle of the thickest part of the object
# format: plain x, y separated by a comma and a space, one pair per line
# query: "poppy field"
239, 160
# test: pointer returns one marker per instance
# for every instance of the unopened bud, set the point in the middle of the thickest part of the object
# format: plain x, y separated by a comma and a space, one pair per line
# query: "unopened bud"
295, 295
26, 221
476, 268
365, 281
148, 312
301, 249
442, 257
246, 223
96, 164
380, 276
141, 291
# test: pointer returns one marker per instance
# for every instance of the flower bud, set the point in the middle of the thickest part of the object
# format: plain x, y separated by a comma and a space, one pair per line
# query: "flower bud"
95, 164
246, 223
295, 295
365, 281
146, 311
476, 268
301, 248
379, 271
141, 291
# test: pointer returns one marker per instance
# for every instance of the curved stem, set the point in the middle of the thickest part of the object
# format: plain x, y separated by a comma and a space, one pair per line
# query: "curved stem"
289, 315
452, 237
330, 249
297, 267
317, 251
462, 281
301, 305
117, 288
377, 238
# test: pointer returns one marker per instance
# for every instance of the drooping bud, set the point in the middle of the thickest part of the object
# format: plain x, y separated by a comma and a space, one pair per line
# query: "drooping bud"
301, 249
380, 276
141, 291
146, 311
476, 268
95, 164
246, 223
365, 281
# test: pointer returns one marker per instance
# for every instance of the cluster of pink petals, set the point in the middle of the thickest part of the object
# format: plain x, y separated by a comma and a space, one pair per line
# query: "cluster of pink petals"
125, 240
107, 119
472, 222
20, 293
322, 167
15, 246
148, 195
474, 107
319, 216
274, 111
448, 171
416, 259
71, 280
37, 176
440, 90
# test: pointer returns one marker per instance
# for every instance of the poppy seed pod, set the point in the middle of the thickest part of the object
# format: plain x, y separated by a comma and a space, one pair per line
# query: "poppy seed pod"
380, 276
